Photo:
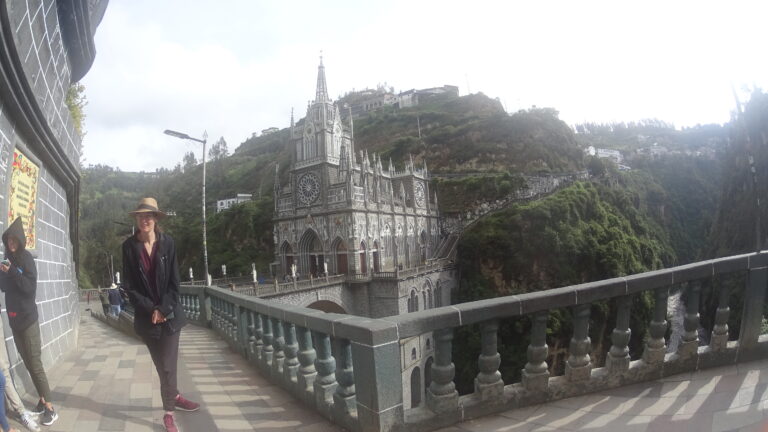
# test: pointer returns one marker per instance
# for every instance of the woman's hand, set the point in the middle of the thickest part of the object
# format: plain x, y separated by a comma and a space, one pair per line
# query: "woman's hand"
4, 267
158, 317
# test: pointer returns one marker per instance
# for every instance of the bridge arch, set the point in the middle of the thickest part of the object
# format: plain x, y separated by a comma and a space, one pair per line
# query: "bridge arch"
311, 254
327, 306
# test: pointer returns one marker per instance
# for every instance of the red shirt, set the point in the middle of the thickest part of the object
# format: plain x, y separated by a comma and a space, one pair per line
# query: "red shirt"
149, 266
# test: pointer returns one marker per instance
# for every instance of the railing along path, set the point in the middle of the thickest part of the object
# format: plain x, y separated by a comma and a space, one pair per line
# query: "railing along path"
358, 383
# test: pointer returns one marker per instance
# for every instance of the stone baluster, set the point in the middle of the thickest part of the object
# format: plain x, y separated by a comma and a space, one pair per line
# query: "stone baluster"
278, 342
307, 356
689, 345
220, 316
251, 334
215, 314
228, 307
344, 403
719, 340
535, 376
258, 347
195, 308
488, 383
442, 395
268, 350
578, 367
618, 358
325, 381
656, 346
291, 365
234, 320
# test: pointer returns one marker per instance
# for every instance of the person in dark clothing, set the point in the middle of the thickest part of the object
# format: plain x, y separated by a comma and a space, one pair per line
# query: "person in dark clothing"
115, 301
104, 298
151, 279
18, 279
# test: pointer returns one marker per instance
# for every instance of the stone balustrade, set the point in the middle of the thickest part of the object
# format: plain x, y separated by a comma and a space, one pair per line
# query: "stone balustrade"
348, 368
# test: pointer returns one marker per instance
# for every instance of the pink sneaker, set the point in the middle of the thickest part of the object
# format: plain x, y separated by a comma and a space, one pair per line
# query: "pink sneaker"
170, 425
186, 405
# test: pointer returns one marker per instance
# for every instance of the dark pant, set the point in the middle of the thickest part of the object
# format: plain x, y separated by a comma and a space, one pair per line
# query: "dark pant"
165, 355
28, 344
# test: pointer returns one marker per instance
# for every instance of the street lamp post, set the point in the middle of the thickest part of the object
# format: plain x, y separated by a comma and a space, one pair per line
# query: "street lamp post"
205, 236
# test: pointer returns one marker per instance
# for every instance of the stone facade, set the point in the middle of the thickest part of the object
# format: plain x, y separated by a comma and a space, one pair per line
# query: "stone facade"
343, 213
47, 46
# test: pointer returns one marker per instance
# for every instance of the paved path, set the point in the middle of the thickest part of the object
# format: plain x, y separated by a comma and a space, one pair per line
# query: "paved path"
110, 384
732, 398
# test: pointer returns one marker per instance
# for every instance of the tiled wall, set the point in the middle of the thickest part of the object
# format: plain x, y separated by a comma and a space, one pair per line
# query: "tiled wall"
39, 48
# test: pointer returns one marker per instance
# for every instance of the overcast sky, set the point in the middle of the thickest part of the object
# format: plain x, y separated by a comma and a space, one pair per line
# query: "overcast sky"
236, 67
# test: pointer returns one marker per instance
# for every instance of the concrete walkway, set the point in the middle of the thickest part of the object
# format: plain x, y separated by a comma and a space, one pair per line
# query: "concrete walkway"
110, 384
732, 398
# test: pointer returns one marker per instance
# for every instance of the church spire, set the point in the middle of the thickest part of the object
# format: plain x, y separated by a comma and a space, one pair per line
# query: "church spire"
322, 89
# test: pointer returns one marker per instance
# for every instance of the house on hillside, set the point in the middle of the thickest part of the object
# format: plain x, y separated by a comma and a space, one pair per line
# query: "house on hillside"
225, 204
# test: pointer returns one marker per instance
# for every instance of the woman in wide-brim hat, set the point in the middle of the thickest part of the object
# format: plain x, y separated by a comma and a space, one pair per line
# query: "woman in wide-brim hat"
151, 279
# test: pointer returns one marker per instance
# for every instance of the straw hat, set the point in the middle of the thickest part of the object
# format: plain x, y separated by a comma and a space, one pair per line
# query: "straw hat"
148, 205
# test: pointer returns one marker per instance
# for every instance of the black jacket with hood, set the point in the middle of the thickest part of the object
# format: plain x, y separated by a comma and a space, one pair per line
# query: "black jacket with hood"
167, 281
20, 283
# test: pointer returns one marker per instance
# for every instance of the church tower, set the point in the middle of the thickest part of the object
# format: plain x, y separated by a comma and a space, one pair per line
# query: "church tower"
321, 135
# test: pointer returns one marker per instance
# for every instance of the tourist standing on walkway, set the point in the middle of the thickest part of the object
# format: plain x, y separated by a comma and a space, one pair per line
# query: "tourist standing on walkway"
12, 398
18, 279
104, 297
151, 279
115, 300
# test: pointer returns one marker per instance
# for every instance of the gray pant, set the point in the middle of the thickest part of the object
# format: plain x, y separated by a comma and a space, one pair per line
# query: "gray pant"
12, 399
29, 348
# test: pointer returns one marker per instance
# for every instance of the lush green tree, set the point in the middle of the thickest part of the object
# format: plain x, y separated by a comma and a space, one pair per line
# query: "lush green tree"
189, 161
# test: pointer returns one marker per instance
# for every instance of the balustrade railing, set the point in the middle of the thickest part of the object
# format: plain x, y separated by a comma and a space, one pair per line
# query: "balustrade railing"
349, 368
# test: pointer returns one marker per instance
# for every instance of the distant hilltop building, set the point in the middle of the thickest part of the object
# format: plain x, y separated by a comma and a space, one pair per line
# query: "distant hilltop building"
269, 131
225, 204
602, 153
364, 101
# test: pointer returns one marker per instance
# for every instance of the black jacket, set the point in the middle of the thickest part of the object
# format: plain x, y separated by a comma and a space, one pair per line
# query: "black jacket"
114, 297
167, 280
20, 283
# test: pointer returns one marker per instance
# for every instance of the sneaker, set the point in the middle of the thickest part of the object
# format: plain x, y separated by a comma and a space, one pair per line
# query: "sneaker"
49, 416
40, 408
26, 418
186, 405
170, 425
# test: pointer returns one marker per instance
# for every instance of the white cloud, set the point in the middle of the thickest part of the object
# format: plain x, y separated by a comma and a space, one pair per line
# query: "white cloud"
237, 67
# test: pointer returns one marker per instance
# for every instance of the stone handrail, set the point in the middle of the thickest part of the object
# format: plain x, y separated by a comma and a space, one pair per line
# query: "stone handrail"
359, 385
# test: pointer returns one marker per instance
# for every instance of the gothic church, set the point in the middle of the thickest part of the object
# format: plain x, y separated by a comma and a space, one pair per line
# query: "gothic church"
343, 212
